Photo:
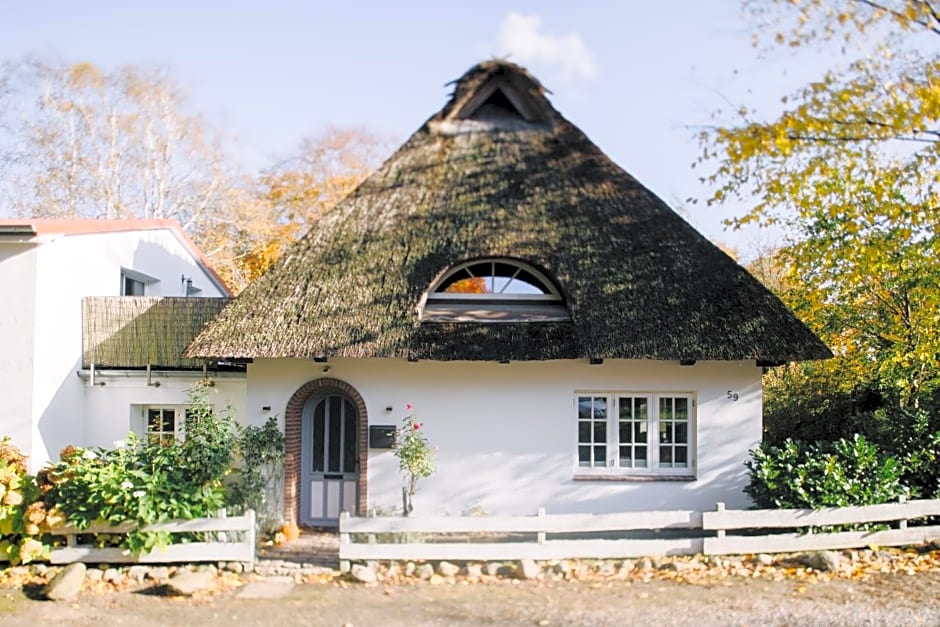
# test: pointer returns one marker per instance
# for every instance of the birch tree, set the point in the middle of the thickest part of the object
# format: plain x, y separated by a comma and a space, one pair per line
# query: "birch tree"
80, 141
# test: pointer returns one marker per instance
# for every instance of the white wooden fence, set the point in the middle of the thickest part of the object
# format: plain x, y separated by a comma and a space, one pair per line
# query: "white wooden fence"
663, 533
493, 532
722, 521
233, 541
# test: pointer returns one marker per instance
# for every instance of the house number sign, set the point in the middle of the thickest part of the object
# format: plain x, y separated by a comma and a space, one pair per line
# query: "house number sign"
732, 396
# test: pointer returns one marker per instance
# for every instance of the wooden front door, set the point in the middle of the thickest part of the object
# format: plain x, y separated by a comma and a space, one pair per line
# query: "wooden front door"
329, 458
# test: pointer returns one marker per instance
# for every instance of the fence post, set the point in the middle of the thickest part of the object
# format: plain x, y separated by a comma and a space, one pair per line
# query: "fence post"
251, 539
220, 536
719, 507
902, 524
343, 535
541, 534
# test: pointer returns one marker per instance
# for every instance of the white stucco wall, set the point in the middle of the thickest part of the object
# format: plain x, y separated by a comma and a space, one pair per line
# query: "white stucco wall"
46, 391
114, 409
17, 332
507, 433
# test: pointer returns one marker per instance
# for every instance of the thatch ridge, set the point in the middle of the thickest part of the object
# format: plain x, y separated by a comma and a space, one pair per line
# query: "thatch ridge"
640, 283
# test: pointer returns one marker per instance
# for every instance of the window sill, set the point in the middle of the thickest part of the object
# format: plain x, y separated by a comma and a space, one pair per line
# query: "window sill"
632, 478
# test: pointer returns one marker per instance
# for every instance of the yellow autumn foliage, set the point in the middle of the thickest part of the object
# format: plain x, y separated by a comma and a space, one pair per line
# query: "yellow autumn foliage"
851, 168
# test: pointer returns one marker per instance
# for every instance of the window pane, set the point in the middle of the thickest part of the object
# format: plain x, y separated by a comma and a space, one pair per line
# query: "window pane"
682, 433
584, 407
133, 287
626, 458
600, 407
600, 456
626, 408
319, 438
682, 409
665, 409
625, 433
469, 285
584, 456
600, 432
169, 421
665, 432
153, 420
641, 412
682, 456
640, 452
639, 431
665, 456
584, 431
333, 425
349, 437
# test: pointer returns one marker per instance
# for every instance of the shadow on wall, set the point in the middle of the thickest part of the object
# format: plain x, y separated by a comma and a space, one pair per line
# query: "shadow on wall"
171, 268
63, 420
499, 483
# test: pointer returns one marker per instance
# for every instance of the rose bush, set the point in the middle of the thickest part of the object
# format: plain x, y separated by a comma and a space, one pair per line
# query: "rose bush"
415, 457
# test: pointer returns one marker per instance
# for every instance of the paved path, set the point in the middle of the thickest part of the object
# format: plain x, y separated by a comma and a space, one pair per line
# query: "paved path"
267, 588
317, 547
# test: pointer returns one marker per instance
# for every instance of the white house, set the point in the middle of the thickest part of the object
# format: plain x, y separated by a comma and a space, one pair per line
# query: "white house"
52, 273
566, 339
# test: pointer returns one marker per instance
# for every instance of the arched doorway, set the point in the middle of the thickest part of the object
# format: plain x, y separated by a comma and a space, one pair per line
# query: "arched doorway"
327, 453
329, 459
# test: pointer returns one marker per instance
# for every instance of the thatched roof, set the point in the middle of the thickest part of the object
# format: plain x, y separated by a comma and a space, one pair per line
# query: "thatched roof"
486, 177
140, 331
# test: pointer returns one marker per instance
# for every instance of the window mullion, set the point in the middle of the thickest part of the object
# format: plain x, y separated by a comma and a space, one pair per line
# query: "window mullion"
613, 431
653, 436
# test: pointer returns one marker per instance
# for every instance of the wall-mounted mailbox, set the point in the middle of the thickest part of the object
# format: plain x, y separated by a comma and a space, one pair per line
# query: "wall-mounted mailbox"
381, 436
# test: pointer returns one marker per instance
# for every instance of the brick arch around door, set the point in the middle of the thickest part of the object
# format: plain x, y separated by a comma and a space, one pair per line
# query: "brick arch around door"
293, 432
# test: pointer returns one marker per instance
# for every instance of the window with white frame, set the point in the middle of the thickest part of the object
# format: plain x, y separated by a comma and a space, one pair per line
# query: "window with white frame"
636, 433
493, 290
164, 424
135, 283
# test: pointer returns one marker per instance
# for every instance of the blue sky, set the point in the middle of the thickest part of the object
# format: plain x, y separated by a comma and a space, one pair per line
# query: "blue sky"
639, 77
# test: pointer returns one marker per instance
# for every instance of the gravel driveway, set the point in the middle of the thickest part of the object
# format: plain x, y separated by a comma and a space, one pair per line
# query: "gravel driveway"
894, 599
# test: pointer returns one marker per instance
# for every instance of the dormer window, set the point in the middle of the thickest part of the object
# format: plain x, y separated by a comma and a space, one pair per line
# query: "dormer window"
494, 290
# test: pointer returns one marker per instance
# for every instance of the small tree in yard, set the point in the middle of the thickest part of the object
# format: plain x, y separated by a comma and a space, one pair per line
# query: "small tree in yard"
258, 484
415, 457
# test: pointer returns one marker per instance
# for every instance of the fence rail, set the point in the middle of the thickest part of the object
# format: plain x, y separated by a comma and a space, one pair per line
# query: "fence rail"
683, 532
234, 541
495, 536
722, 521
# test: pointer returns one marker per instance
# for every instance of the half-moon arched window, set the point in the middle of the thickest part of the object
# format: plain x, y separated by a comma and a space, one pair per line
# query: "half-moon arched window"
494, 290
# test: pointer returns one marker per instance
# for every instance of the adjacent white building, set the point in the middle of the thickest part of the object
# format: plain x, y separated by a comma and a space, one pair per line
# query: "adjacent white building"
51, 273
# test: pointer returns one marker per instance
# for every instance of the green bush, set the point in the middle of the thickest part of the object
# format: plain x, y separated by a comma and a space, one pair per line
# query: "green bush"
914, 438
146, 482
210, 446
846, 472
256, 484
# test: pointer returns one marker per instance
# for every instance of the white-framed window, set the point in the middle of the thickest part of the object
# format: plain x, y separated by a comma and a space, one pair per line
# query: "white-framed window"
635, 433
164, 423
135, 283
493, 290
